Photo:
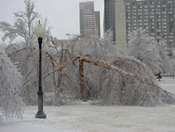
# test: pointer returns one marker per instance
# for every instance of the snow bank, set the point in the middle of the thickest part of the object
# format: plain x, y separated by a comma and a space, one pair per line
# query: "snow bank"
84, 117
87, 118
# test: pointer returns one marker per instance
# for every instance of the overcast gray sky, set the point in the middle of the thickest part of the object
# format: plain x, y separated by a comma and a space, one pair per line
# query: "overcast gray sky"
62, 15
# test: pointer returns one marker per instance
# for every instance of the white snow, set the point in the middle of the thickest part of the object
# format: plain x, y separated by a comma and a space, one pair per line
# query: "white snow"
84, 117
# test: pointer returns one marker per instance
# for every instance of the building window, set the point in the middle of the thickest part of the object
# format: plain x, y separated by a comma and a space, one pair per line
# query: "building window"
165, 30
164, 9
158, 26
127, 3
164, 16
152, 30
170, 5
158, 16
140, 6
158, 9
164, 36
128, 7
151, 3
152, 20
133, 3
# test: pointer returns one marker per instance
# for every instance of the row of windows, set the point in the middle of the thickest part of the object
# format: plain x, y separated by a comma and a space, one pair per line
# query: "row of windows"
151, 10
151, 3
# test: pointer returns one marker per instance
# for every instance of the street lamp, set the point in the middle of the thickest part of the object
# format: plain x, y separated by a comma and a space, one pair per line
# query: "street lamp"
40, 32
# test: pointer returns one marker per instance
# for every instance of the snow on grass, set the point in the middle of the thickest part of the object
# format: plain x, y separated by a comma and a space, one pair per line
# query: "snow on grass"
84, 117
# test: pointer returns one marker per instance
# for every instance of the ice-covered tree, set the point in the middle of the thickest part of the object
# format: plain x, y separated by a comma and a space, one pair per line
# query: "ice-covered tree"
23, 24
167, 62
144, 48
94, 70
23, 29
11, 82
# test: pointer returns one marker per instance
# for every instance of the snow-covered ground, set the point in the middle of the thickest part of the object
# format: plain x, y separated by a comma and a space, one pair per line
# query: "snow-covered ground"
84, 117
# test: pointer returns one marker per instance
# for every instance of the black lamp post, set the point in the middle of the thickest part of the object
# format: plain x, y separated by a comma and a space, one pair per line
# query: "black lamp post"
40, 32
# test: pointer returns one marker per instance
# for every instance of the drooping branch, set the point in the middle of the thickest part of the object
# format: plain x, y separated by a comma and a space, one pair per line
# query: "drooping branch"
57, 69
37, 49
98, 63
108, 66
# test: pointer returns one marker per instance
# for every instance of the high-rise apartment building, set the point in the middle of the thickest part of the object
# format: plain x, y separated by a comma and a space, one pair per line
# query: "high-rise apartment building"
89, 19
157, 16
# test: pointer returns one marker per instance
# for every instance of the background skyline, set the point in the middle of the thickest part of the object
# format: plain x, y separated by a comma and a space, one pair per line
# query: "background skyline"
63, 16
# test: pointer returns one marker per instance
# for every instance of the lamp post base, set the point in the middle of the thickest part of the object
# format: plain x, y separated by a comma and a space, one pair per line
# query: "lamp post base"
40, 114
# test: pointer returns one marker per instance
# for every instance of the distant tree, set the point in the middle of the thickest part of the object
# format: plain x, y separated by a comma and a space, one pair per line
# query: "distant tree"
24, 24
11, 82
167, 62
144, 48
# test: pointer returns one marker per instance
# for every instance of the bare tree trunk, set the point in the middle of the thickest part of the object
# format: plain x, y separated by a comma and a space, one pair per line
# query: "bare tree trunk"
60, 74
81, 77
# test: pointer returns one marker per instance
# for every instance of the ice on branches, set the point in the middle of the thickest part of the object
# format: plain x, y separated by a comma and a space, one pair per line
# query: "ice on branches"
11, 81
111, 78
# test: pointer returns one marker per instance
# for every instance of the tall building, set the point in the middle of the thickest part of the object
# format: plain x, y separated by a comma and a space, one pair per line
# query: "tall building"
109, 16
89, 19
115, 20
157, 16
